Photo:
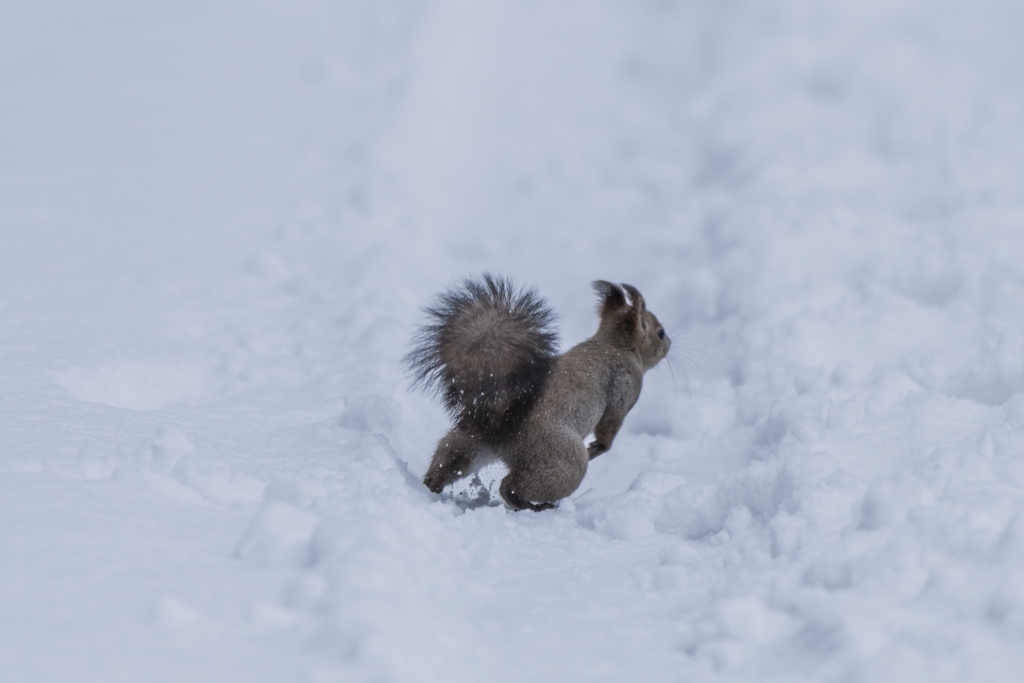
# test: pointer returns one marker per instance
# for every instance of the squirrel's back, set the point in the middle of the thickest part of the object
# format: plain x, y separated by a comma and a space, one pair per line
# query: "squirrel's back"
488, 351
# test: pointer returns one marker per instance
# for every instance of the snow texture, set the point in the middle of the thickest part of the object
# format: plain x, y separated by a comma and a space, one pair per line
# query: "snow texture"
219, 221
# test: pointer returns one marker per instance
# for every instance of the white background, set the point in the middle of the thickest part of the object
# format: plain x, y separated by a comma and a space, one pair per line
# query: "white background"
219, 220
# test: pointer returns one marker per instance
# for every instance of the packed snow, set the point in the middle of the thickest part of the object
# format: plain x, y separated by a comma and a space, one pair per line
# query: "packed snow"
219, 222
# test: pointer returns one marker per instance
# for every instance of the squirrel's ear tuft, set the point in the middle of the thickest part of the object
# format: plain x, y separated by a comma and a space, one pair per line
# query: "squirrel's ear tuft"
611, 296
636, 298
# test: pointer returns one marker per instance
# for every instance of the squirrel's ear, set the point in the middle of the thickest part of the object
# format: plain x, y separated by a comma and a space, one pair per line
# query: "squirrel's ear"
638, 299
611, 296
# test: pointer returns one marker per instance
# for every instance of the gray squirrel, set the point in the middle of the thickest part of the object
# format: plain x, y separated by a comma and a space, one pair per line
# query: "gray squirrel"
489, 351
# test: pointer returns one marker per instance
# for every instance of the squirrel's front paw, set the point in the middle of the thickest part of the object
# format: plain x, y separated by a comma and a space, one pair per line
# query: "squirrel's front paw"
595, 449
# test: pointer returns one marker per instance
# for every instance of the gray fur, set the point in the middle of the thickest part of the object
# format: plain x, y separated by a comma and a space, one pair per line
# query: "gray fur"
488, 352
589, 390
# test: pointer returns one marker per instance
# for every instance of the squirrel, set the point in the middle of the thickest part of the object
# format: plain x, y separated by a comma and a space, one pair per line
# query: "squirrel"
489, 351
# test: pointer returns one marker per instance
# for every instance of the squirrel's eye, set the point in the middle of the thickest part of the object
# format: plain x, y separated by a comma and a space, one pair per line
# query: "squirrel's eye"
661, 334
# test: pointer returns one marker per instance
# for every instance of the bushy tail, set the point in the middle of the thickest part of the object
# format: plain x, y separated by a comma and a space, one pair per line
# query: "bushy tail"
488, 351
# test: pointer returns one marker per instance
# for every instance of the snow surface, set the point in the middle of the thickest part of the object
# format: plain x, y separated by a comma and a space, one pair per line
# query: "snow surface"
218, 221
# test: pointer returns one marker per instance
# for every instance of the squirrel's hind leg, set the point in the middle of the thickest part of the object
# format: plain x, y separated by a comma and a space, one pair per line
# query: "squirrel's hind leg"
454, 458
514, 501
545, 467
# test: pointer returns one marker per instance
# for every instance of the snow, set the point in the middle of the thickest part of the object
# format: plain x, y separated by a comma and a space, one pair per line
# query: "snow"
219, 221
